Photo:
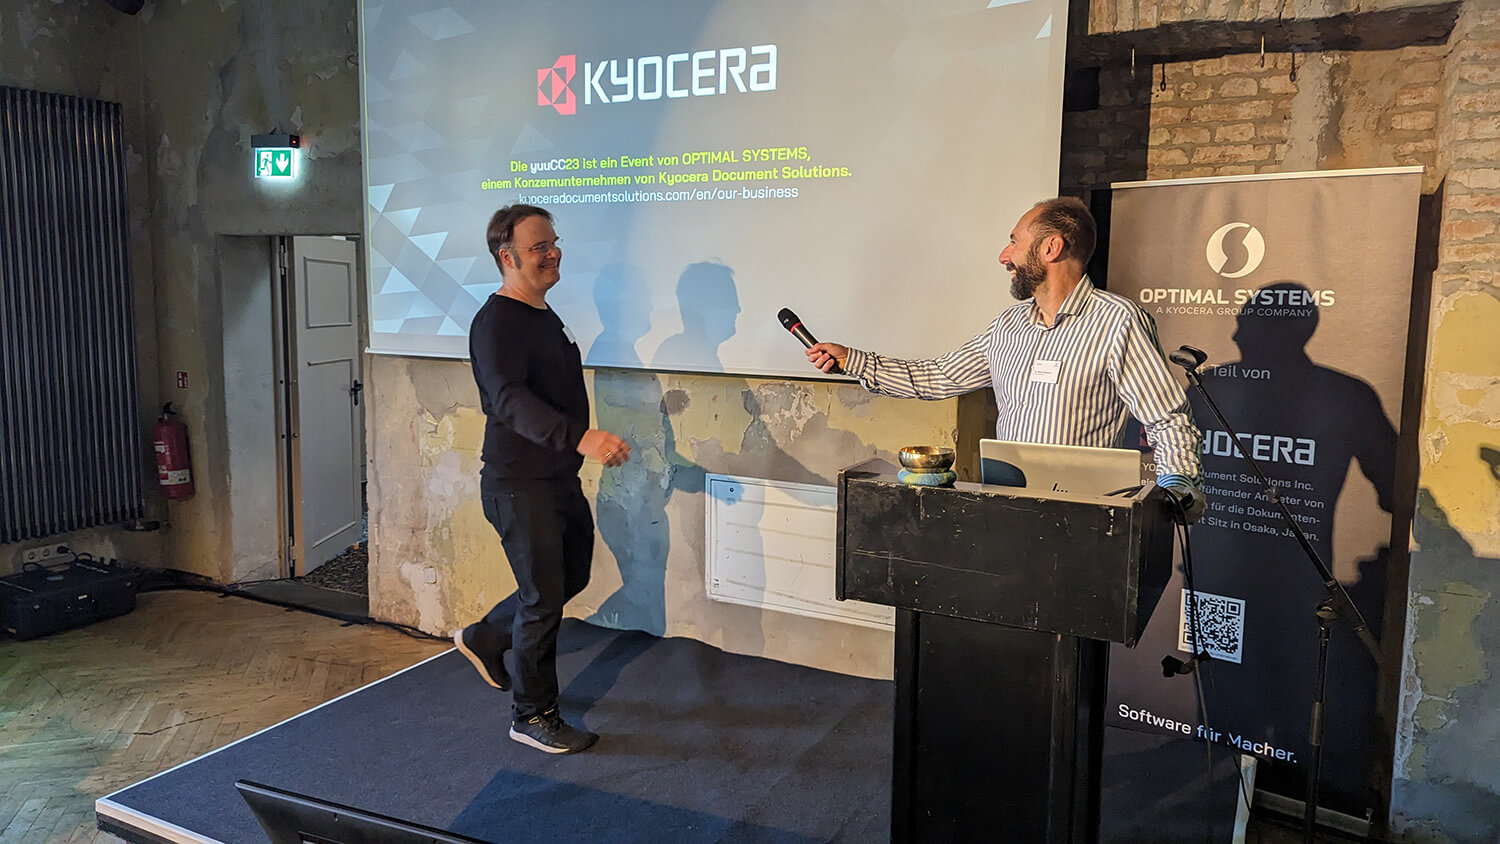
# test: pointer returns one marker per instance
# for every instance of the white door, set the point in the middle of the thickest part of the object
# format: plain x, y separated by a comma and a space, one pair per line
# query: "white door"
327, 432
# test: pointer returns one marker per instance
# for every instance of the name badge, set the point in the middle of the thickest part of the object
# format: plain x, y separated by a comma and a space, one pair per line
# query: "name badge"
568, 333
1045, 371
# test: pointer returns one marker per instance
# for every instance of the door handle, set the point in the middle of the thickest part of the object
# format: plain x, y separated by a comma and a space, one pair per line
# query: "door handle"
356, 390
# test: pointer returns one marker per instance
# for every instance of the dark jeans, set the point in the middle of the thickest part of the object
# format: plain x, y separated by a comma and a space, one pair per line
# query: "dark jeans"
547, 532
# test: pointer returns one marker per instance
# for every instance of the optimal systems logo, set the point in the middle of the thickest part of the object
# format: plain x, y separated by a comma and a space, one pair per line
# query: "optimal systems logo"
700, 74
1248, 254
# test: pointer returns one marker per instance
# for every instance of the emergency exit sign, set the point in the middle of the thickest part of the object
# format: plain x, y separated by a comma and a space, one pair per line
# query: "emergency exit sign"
275, 163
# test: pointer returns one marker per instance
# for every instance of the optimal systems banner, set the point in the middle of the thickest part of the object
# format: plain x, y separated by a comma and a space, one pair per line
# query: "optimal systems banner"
1298, 287
709, 163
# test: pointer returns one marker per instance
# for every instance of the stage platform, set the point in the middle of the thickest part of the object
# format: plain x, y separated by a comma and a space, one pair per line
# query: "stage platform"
697, 745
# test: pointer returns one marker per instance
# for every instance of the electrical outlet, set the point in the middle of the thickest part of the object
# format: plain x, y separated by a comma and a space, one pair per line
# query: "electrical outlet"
43, 554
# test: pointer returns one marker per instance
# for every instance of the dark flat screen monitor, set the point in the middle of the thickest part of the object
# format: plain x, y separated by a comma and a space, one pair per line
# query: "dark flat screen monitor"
291, 818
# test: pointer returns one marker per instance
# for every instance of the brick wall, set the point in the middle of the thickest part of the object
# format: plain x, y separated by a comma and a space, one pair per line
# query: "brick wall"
1469, 140
1220, 117
1109, 143
1242, 113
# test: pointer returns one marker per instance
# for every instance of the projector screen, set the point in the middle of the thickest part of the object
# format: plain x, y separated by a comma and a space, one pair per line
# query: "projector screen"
709, 163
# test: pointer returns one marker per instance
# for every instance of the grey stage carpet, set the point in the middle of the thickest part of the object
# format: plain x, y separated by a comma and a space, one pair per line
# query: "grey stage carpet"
698, 745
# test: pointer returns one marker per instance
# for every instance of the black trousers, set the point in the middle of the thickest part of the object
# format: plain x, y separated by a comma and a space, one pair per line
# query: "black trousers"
547, 532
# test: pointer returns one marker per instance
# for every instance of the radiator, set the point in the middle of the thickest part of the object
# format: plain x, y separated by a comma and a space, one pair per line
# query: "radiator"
771, 545
70, 440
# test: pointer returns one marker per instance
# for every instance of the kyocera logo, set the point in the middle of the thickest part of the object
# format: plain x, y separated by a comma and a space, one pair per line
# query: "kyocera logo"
741, 70
554, 85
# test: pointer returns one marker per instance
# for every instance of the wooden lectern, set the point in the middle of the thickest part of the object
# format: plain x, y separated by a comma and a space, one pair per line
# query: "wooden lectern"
1006, 600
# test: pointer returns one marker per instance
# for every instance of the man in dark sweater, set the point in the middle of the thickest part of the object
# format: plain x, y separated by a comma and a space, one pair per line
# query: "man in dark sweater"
536, 436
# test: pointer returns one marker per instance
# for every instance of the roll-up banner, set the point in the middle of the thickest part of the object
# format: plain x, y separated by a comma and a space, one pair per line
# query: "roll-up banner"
1298, 287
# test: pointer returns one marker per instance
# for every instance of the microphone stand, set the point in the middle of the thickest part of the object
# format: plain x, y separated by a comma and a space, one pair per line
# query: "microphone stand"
1335, 605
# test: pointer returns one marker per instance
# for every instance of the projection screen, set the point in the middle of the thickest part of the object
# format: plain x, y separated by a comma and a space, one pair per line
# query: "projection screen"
709, 163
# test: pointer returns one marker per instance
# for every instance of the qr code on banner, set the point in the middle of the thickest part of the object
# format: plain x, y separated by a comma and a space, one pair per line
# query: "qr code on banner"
1221, 626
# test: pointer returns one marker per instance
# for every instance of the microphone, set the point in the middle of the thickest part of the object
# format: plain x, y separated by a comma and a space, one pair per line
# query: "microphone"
1172, 666
791, 322
1188, 357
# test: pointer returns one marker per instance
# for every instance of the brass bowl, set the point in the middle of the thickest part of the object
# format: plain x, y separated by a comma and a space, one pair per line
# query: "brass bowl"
926, 458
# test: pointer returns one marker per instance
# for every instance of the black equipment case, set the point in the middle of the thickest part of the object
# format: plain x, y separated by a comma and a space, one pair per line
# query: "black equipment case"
48, 599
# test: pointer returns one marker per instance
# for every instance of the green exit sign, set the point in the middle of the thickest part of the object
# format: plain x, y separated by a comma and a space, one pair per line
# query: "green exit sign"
275, 162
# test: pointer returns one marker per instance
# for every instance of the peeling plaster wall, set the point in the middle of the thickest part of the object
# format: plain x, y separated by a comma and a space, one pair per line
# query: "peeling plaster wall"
89, 50
219, 73
1447, 767
197, 79
1447, 785
437, 563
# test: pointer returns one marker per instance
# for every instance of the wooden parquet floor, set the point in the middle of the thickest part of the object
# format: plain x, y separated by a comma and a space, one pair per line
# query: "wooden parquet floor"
89, 711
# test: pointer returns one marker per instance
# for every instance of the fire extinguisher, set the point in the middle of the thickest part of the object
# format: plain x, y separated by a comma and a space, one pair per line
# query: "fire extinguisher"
174, 466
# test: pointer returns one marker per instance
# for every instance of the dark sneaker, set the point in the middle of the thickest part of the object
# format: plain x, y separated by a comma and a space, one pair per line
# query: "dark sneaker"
548, 733
489, 665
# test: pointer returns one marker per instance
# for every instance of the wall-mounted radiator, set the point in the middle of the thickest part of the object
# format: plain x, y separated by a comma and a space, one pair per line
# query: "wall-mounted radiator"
771, 545
70, 442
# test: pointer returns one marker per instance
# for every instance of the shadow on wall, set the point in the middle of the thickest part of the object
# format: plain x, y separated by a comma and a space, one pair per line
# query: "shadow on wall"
1491, 456
624, 304
631, 508
1445, 786
1326, 422
710, 307
1344, 416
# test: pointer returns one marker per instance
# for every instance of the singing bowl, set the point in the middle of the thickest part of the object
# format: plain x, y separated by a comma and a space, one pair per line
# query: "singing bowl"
926, 458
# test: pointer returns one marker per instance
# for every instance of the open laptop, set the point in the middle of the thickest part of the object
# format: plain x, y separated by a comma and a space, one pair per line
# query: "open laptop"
1060, 468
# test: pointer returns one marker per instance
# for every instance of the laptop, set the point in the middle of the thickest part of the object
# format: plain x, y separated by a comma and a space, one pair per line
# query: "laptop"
1078, 469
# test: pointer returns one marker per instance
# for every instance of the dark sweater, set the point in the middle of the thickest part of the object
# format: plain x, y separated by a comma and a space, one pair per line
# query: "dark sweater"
530, 378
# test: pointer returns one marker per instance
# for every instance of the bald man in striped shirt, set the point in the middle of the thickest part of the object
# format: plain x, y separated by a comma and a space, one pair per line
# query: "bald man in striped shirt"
1070, 364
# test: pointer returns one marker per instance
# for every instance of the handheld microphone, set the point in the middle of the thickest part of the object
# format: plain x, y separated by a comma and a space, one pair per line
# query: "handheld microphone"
791, 322
1188, 357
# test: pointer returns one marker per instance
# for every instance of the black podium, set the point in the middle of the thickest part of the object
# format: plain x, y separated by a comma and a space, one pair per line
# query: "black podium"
1006, 600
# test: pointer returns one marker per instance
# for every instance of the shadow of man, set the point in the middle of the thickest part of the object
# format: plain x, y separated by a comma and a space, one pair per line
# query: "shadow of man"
624, 304
632, 501
1306, 426
631, 507
710, 308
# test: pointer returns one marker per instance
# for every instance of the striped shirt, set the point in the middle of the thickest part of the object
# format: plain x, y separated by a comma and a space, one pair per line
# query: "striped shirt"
1074, 383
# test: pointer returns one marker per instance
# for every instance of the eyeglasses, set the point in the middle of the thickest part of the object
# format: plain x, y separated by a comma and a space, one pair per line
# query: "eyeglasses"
542, 249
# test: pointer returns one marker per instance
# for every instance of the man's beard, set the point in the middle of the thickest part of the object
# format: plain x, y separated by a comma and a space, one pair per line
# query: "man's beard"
1028, 275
